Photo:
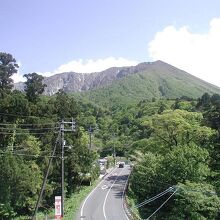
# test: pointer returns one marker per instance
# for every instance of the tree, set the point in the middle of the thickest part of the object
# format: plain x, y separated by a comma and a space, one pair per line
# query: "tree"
34, 86
185, 163
66, 107
195, 201
179, 127
8, 67
204, 102
20, 183
154, 173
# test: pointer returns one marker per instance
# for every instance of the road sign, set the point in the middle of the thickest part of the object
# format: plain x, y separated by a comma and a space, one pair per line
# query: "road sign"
58, 214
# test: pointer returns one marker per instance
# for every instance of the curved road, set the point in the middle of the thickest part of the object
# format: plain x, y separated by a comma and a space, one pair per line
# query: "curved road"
105, 202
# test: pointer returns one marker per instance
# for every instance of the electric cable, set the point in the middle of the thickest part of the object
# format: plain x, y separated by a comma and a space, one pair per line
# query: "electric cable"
154, 197
28, 129
7, 133
18, 115
6, 124
162, 204
28, 155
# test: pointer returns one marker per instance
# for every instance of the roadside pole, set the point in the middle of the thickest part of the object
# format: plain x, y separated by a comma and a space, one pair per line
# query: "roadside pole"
62, 166
45, 179
62, 130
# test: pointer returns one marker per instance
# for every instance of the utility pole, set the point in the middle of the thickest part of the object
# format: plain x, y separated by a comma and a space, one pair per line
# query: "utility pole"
45, 179
62, 167
114, 155
60, 139
90, 137
62, 130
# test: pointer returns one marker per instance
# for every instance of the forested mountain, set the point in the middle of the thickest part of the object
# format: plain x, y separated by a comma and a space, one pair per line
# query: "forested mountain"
129, 84
173, 143
152, 80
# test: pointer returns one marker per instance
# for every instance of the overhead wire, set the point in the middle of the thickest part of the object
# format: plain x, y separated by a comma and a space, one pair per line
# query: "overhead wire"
28, 129
7, 133
28, 155
154, 197
170, 189
162, 204
32, 155
33, 124
18, 115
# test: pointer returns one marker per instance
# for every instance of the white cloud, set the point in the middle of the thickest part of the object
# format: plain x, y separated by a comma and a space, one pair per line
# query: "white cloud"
89, 66
83, 66
195, 53
18, 77
98, 65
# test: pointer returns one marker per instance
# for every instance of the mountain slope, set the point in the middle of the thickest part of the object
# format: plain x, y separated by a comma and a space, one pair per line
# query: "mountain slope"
158, 80
129, 84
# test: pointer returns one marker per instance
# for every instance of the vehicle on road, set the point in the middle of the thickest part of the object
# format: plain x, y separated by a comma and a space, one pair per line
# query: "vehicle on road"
121, 164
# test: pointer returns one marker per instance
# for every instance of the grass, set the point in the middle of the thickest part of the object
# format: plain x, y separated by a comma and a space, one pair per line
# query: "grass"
72, 205
131, 202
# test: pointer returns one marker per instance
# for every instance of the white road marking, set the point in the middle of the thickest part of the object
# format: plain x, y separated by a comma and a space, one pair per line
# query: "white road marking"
104, 187
81, 211
103, 207
123, 195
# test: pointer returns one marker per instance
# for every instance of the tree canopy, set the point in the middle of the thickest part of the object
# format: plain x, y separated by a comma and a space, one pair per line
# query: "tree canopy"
8, 67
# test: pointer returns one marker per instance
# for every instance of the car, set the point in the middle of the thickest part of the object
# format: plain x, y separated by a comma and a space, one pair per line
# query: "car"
121, 164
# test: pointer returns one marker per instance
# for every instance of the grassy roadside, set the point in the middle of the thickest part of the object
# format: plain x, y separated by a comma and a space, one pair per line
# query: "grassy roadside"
131, 202
72, 204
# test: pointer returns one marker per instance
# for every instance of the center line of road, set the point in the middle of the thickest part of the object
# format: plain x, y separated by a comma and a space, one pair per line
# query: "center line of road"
81, 211
103, 207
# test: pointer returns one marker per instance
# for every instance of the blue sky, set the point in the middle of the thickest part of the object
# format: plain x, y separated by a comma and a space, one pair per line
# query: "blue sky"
50, 36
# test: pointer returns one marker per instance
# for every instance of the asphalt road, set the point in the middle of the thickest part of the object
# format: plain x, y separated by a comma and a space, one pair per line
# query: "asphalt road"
105, 202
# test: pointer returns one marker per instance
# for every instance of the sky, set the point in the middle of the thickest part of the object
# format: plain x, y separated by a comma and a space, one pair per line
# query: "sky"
54, 36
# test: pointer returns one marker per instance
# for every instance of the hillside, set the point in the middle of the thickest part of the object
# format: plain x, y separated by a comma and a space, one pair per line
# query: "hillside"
120, 85
156, 80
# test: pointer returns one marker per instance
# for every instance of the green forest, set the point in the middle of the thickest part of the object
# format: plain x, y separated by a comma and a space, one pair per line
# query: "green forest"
173, 145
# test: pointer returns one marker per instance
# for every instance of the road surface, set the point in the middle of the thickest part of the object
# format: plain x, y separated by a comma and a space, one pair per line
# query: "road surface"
105, 202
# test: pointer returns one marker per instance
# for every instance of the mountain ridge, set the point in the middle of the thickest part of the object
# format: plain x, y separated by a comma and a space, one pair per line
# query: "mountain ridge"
151, 79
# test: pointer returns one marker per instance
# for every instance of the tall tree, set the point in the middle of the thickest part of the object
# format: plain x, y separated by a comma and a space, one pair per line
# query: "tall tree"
8, 67
34, 86
66, 107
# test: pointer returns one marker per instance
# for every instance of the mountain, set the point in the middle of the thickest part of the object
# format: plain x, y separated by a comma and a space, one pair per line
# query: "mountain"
129, 84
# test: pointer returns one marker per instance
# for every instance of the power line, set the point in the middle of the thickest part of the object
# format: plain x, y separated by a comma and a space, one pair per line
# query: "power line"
194, 190
162, 204
27, 155
154, 198
7, 133
27, 129
170, 189
45, 176
39, 124
18, 115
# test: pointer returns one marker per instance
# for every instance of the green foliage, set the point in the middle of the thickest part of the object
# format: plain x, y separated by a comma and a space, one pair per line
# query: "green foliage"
8, 67
195, 201
185, 163
178, 151
170, 142
179, 127
19, 186
34, 86
149, 84
65, 106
